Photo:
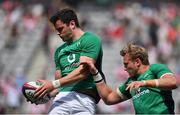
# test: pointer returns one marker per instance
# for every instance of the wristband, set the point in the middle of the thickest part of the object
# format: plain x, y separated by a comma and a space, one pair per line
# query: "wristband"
56, 84
97, 77
157, 82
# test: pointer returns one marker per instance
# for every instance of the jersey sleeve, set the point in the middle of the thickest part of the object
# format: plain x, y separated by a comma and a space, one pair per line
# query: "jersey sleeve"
160, 70
91, 46
56, 60
123, 91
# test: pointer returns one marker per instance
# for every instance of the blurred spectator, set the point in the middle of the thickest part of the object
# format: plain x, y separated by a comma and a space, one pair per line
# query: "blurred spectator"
45, 38
2, 109
1, 66
12, 39
106, 38
137, 37
29, 21
12, 94
153, 30
2, 101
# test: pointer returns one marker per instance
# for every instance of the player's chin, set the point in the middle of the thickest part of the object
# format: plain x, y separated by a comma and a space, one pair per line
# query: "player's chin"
131, 74
64, 40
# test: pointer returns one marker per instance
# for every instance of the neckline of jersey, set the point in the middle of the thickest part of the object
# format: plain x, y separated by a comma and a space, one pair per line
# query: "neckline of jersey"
77, 39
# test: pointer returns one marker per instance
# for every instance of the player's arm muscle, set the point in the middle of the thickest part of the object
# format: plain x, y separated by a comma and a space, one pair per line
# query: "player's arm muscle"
78, 74
108, 95
168, 81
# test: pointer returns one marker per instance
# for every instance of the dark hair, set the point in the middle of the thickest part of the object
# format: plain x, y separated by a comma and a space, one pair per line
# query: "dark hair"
135, 52
65, 15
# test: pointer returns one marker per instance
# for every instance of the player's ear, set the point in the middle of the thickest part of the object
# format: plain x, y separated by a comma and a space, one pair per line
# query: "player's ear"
72, 24
138, 62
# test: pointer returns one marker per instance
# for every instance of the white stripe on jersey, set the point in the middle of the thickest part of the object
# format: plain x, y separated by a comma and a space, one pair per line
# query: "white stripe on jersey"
166, 74
124, 98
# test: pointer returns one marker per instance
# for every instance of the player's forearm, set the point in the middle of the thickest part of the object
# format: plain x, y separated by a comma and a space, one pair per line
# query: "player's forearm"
163, 83
72, 78
105, 93
168, 83
103, 90
77, 75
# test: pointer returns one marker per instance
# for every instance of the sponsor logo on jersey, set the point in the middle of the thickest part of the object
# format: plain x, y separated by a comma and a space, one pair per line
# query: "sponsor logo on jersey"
72, 66
140, 93
71, 58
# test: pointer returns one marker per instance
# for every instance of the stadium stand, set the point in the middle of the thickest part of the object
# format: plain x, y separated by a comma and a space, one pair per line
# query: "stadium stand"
22, 52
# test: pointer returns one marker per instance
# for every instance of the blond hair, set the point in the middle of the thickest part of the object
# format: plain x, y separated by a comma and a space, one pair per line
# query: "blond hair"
135, 52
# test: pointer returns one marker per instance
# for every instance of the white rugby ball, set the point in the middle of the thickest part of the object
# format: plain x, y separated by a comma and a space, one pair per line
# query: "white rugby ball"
28, 90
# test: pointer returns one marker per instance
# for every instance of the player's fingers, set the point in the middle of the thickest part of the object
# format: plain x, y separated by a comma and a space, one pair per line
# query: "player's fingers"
136, 86
46, 95
85, 62
131, 88
127, 86
38, 91
42, 94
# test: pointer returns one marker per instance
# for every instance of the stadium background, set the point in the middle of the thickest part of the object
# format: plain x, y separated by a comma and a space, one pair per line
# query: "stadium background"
27, 43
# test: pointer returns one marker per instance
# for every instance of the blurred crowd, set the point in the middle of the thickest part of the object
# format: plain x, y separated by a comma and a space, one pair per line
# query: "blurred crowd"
156, 26
19, 19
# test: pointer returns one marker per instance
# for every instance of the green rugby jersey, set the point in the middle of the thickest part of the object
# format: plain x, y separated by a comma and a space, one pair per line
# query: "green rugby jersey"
150, 100
67, 58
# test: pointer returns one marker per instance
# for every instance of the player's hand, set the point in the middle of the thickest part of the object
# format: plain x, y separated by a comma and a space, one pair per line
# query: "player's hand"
91, 66
44, 90
54, 92
134, 85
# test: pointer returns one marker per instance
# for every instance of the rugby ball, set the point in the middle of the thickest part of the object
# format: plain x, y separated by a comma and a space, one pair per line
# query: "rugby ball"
28, 90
